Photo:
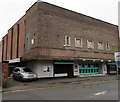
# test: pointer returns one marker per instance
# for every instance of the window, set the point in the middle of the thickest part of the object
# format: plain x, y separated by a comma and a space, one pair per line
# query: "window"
32, 41
78, 42
16, 70
90, 44
67, 40
107, 46
100, 46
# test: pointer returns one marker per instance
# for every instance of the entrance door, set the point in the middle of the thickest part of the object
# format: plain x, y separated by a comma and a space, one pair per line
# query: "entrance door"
65, 69
87, 69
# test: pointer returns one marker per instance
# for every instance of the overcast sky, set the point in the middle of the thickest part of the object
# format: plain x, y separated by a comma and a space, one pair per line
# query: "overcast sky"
13, 10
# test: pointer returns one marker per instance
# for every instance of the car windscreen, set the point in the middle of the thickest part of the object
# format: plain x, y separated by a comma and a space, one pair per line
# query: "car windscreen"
27, 70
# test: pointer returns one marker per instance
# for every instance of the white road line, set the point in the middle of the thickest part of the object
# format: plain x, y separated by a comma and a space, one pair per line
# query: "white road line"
100, 93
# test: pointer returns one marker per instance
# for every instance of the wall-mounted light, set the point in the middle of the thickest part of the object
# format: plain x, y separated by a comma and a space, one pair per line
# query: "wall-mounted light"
109, 60
94, 60
84, 60
102, 60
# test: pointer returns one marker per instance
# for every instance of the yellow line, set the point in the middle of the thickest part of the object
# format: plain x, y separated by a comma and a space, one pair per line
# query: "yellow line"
57, 86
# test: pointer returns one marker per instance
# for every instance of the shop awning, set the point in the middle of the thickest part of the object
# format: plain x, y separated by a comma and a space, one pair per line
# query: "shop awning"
64, 62
113, 63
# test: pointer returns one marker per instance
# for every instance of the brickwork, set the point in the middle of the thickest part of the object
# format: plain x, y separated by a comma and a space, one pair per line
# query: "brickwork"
21, 40
9, 44
13, 42
0, 51
41, 33
5, 47
48, 25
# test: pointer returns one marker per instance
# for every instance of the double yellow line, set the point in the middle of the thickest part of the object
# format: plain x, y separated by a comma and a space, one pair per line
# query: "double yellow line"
22, 90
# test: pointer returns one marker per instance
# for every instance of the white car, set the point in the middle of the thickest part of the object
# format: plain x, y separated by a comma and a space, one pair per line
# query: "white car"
23, 73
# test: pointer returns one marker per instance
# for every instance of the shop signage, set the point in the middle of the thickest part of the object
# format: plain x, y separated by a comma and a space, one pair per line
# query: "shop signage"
117, 57
14, 60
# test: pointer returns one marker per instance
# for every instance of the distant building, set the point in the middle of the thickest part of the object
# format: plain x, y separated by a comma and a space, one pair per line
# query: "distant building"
54, 41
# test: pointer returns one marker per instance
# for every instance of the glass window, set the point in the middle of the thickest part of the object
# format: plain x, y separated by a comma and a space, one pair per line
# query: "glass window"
100, 46
107, 46
79, 70
90, 44
91, 70
16, 70
32, 41
67, 40
83, 65
88, 65
27, 70
78, 42
91, 65
83, 71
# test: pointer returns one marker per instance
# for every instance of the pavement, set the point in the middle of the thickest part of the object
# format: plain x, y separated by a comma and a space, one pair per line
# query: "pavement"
51, 82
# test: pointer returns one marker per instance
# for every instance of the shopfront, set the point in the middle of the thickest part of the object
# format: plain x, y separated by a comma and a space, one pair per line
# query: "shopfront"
111, 68
88, 68
63, 69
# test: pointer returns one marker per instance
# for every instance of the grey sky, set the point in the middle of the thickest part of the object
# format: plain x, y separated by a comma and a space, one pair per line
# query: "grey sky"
13, 10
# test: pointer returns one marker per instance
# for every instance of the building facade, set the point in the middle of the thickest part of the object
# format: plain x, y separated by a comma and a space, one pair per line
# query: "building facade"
0, 51
54, 41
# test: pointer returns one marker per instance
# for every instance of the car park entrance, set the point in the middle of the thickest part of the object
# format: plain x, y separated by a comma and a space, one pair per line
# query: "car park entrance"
62, 69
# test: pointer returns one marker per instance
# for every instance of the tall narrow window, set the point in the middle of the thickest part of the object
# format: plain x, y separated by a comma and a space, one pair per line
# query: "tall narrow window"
78, 42
100, 46
32, 41
67, 40
107, 46
90, 44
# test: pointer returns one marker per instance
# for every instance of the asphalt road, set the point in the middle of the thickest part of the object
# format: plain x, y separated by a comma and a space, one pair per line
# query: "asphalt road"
89, 91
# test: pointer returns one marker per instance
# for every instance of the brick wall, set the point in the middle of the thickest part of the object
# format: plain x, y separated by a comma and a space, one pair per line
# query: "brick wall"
0, 51
21, 38
48, 25
13, 42
5, 44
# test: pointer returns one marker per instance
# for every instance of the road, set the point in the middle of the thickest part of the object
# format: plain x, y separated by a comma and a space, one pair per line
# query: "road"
88, 91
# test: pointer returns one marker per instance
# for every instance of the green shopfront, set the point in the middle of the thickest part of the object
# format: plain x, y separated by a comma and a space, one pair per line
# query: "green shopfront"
88, 68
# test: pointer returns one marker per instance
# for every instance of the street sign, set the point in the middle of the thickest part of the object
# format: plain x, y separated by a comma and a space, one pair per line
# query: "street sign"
117, 57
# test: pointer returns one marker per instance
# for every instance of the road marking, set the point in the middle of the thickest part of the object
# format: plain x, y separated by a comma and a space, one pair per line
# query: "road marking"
58, 86
101, 93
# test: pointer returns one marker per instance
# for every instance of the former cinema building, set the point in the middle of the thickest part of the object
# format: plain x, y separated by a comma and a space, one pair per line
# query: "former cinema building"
54, 41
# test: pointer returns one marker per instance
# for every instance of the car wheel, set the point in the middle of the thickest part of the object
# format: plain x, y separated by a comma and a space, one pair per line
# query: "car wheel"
14, 78
21, 79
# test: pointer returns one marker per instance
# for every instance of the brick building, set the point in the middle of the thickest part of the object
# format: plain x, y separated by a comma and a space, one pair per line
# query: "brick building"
13, 44
54, 41
0, 51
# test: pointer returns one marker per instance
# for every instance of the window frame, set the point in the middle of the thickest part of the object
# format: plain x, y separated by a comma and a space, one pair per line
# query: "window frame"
108, 45
32, 41
67, 41
92, 46
77, 38
102, 45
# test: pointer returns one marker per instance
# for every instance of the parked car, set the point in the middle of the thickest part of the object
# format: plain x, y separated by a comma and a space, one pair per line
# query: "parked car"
23, 74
